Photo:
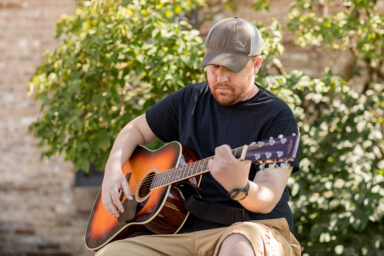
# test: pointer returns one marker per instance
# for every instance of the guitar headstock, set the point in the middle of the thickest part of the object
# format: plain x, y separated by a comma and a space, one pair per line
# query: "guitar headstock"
275, 150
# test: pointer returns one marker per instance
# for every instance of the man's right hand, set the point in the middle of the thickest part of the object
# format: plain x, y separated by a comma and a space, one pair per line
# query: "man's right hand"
136, 132
113, 183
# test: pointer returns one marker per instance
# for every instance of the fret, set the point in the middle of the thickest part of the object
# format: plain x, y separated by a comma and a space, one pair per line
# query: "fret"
201, 165
169, 175
176, 174
205, 164
234, 152
237, 152
154, 181
197, 167
180, 173
193, 168
190, 168
157, 177
172, 176
161, 179
164, 177
185, 172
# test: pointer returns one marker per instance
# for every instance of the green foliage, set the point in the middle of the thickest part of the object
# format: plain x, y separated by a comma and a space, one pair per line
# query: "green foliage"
272, 36
355, 25
115, 59
261, 5
338, 193
337, 197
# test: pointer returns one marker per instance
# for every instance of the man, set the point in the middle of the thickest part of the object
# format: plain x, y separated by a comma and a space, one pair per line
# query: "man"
228, 111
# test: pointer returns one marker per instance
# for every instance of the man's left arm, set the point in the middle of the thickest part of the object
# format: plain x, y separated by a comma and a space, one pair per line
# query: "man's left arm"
265, 190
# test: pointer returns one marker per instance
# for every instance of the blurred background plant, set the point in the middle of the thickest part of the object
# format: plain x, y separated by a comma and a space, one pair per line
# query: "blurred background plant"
117, 58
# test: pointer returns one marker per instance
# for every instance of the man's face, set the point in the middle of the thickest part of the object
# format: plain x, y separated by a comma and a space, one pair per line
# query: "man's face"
228, 87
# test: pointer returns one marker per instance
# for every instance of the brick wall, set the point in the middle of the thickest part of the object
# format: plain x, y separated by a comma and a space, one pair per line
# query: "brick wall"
38, 214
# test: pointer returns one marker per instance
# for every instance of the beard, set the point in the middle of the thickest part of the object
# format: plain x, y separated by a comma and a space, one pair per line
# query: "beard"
224, 94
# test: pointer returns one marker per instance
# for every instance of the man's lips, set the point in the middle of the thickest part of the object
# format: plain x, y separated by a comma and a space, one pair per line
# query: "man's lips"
222, 89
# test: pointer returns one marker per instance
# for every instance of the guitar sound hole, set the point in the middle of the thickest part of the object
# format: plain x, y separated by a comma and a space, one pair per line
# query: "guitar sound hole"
145, 187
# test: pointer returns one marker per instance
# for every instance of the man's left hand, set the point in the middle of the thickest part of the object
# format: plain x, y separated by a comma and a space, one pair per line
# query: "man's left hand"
227, 170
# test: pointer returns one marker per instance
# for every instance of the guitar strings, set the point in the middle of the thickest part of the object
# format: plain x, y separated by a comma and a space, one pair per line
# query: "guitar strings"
188, 167
148, 183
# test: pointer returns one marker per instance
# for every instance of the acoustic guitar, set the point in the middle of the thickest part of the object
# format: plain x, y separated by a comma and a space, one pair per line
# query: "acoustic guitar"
154, 177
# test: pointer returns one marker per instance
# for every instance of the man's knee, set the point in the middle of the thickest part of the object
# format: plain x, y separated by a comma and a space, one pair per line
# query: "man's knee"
236, 244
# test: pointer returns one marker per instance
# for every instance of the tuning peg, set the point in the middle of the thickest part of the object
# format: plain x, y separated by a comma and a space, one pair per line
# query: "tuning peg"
272, 141
272, 165
257, 157
280, 136
280, 154
268, 155
285, 165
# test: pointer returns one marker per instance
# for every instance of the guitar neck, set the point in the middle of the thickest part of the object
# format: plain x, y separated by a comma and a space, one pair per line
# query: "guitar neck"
180, 173
280, 150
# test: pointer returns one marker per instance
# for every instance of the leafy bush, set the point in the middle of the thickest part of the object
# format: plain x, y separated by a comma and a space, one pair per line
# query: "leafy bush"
115, 59
338, 194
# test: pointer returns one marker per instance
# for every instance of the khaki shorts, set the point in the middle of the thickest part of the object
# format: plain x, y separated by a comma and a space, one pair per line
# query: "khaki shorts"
268, 237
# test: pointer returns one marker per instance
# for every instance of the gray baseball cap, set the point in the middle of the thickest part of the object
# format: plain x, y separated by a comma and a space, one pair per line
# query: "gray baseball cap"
231, 43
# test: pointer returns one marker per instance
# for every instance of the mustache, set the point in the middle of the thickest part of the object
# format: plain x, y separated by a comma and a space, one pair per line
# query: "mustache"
222, 85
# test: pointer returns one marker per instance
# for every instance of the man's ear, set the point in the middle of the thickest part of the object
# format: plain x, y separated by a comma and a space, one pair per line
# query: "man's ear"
257, 64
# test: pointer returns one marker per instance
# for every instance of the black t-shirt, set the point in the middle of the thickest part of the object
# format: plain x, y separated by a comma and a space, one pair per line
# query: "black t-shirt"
193, 117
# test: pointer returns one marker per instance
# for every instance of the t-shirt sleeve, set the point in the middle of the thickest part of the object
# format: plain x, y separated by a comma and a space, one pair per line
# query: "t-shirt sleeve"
163, 117
284, 124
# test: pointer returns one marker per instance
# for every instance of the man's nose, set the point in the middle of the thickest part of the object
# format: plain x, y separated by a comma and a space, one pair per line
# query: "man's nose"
222, 76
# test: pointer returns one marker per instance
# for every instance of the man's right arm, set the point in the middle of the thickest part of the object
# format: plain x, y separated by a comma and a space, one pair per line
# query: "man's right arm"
136, 132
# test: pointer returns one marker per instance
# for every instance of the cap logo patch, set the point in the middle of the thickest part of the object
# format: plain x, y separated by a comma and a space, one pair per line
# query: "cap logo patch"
240, 46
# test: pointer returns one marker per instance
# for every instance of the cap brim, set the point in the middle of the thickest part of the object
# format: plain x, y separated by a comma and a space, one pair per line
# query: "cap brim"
232, 61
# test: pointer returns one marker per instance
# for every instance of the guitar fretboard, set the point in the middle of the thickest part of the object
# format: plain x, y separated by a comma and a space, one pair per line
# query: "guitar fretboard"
282, 149
186, 171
